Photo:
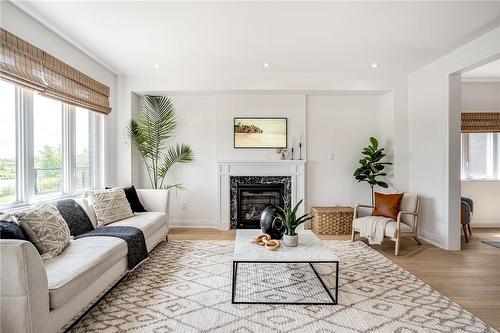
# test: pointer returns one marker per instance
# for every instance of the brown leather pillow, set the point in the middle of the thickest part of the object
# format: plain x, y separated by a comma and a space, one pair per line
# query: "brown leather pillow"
387, 205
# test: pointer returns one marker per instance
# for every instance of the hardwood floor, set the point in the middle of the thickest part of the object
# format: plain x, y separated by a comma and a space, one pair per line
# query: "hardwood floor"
470, 277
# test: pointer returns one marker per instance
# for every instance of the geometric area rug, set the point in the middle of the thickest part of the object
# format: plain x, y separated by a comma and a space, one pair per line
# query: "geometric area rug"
185, 287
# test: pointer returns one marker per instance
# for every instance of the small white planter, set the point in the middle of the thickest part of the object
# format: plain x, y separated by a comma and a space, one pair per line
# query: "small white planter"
290, 240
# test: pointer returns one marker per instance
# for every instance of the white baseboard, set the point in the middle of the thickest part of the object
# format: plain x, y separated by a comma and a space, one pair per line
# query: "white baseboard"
193, 224
430, 237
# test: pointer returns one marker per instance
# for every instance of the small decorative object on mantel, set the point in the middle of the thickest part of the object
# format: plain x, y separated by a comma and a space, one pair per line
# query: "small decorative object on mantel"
292, 153
291, 222
283, 152
266, 241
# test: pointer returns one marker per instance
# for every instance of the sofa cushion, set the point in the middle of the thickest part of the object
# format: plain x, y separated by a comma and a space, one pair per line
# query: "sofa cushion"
148, 222
132, 198
109, 205
46, 229
75, 216
9, 229
79, 265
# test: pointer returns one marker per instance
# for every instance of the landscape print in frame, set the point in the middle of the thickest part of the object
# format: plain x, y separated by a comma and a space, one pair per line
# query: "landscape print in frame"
260, 132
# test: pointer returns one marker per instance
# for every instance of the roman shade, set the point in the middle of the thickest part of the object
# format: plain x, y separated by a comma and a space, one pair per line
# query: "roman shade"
33, 68
480, 122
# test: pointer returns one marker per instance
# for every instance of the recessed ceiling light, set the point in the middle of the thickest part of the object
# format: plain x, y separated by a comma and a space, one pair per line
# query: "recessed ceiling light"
157, 66
266, 64
375, 65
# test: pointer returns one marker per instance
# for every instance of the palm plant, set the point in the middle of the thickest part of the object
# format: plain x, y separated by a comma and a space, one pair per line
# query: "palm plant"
371, 166
149, 133
289, 219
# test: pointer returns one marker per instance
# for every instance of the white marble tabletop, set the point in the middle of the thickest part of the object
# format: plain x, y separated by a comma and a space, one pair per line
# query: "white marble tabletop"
310, 249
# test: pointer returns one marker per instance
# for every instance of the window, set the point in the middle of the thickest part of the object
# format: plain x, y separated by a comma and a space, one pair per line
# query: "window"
47, 145
47, 148
84, 149
8, 165
481, 156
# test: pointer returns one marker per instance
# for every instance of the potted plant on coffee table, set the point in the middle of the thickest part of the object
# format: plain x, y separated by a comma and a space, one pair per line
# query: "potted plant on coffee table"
290, 221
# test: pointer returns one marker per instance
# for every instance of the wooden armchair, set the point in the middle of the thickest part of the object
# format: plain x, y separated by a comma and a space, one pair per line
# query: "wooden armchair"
406, 223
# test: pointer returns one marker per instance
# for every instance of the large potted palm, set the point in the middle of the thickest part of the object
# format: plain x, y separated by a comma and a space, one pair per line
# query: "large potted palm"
149, 132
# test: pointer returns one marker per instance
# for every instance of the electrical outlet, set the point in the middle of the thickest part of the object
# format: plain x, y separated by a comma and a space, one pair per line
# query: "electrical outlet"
184, 206
331, 156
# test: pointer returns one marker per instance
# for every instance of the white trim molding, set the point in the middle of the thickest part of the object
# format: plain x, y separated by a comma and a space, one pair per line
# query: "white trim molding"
225, 169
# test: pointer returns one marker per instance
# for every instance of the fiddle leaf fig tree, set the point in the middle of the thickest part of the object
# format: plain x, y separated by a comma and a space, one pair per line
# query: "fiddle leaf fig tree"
150, 131
371, 166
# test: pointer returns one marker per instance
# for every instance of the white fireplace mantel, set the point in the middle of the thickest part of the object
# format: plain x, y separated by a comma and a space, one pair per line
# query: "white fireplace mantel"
225, 169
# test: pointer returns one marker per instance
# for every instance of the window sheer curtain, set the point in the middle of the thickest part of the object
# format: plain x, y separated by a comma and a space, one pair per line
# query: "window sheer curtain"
30, 67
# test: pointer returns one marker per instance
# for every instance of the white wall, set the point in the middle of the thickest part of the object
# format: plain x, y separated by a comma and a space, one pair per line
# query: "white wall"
19, 23
196, 206
486, 196
482, 97
339, 125
434, 140
227, 107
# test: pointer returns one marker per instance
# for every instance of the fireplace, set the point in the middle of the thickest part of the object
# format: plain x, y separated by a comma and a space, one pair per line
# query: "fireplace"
252, 199
250, 195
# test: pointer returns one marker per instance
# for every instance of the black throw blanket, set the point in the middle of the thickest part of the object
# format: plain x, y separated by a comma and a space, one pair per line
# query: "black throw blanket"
137, 251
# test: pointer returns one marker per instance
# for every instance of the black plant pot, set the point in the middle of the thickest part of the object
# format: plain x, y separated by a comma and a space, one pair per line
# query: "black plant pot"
268, 225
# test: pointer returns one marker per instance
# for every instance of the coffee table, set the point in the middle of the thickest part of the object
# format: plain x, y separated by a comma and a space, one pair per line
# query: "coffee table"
310, 251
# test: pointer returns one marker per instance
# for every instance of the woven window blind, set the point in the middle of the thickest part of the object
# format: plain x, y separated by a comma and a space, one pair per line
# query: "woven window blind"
30, 67
481, 122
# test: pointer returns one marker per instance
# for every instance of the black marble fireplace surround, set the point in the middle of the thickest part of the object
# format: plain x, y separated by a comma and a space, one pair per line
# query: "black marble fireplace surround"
251, 194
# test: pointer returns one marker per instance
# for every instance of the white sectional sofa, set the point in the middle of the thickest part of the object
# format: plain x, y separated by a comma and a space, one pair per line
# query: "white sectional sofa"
44, 296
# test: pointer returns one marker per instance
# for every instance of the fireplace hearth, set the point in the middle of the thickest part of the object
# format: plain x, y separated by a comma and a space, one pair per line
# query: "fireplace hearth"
251, 195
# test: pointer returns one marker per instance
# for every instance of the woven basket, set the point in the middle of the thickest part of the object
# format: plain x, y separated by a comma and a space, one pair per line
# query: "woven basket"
332, 220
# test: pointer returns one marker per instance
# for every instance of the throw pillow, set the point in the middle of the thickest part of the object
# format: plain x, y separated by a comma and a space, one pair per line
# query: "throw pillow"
387, 205
109, 205
9, 229
133, 199
77, 220
46, 229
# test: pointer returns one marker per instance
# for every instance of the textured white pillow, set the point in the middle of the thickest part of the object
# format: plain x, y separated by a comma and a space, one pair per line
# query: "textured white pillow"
46, 229
109, 205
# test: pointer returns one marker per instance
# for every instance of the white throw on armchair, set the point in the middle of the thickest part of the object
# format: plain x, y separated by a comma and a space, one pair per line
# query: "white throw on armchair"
406, 223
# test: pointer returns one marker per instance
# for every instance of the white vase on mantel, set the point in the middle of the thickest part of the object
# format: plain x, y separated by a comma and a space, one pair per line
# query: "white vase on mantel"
291, 241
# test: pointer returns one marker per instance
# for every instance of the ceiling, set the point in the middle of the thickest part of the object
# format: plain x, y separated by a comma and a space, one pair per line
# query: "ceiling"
237, 38
489, 71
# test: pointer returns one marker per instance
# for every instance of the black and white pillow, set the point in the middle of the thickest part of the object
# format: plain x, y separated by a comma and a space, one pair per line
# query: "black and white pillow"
133, 199
46, 229
109, 205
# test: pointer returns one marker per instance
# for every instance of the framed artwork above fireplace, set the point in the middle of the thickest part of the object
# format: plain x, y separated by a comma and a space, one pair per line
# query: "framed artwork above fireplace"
260, 133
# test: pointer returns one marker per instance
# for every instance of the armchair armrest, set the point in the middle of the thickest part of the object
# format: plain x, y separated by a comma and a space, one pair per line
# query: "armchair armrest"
24, 291
361, 206
154, 200
408, 213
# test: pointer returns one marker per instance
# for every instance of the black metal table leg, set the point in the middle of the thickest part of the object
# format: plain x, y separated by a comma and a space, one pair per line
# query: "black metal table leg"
233, 287
334, 299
